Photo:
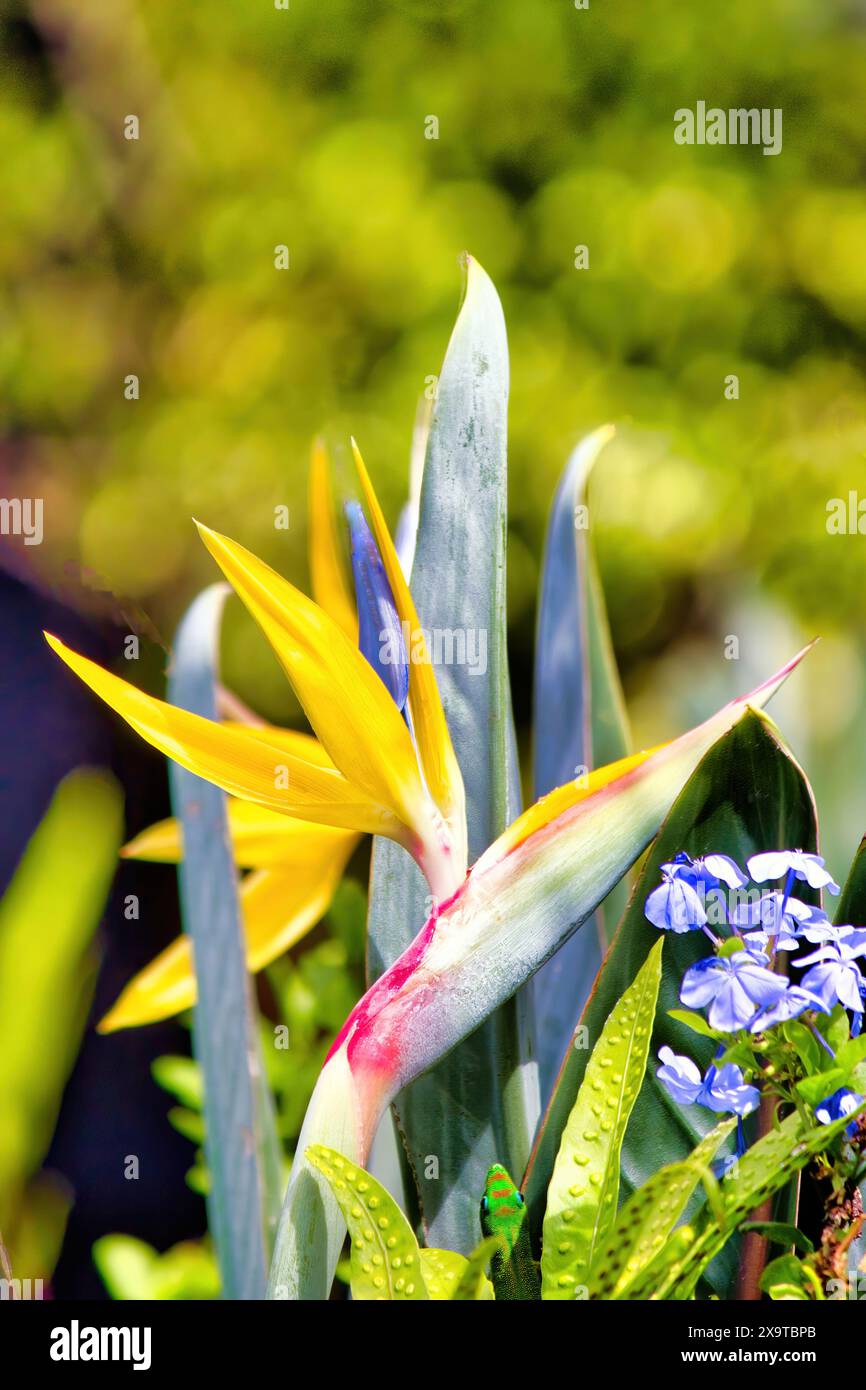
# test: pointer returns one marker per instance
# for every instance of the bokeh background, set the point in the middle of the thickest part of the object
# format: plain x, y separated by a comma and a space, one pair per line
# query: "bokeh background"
306, 127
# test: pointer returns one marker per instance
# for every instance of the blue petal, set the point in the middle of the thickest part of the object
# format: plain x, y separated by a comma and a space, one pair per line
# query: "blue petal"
380, 635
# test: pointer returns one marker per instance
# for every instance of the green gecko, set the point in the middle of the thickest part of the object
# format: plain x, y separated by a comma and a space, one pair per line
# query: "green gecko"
503, 1213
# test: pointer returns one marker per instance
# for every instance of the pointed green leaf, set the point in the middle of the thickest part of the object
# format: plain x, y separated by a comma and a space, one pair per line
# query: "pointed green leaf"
386, 1261
474, 1285
764, 1168
450, 1276
696, 1023
648, 1218
781, 1233
851, 903
480, 1103
746, 795
582, 1196
579, 723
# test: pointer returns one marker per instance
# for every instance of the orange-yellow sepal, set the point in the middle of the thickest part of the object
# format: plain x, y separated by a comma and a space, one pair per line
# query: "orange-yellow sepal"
330, 585
441, 769
351, 712
279, 905
238, 758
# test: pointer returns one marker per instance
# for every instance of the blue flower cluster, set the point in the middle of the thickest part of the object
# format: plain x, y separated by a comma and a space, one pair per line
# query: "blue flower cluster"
738, 985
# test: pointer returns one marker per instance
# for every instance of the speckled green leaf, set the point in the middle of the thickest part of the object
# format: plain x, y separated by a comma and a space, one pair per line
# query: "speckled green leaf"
474, 1286
582, 1197
645, 1223
762, 1170
386, 1261
446, 1273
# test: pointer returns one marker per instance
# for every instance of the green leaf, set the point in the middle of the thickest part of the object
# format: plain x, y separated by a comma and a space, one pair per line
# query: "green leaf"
764, 1168
805, 1044
646, 1222
474, 1285
386, 1261
480, 1104
836, 1030
582, 1197
817, 1087
189, 1123
132, 1270
181, 1077
696, 1023
781, 1233
851, 903
241, 1146
48, 916
579, 723
788, 1279
450, 1276
746, 795
126, 1265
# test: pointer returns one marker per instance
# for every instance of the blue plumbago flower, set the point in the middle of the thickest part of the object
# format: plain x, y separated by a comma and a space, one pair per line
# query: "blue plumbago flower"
777, 916
837, 1106
709, 871
835, 974
722, 1090
808, 868
791, 1004
735, 988
678, 904
675, 905
380, 636
857, 1020
820, 932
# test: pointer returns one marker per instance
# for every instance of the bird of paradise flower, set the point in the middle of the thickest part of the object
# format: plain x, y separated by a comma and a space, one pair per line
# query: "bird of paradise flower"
385, 765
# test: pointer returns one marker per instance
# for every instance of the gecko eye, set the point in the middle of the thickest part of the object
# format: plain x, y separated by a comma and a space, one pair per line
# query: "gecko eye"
521, 1200
485, 1205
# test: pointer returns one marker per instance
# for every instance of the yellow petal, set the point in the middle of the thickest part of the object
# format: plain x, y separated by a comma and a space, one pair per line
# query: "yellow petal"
278, 905
260, 838
237, 758
330, 585
441, 769
349, 708
299, 744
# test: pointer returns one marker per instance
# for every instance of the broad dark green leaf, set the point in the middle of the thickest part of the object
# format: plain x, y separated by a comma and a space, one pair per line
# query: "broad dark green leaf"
480, 1104
851, 903
746, 795
579, 724
240, 1144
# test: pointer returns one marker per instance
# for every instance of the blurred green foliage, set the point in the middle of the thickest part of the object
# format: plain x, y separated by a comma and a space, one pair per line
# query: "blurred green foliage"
306, 127
307, 996
48, 959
